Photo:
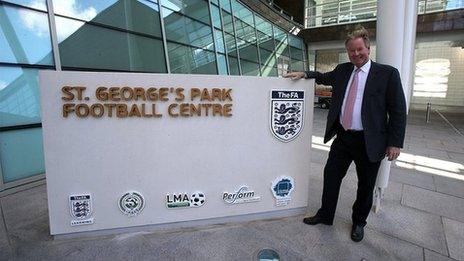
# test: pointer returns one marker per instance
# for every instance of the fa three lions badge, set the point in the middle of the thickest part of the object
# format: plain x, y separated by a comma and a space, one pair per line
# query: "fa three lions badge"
81, 209
287, 114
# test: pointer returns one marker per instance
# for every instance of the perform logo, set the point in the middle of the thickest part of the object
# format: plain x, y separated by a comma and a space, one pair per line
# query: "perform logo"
242, 195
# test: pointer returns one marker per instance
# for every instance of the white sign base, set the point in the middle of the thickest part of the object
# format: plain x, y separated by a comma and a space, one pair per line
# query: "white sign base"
156, 156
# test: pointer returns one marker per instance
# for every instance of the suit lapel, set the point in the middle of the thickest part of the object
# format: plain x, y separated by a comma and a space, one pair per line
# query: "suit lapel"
369, 86
345, 79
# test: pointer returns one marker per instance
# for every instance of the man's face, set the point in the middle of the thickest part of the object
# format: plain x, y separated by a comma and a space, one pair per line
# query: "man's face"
357, 52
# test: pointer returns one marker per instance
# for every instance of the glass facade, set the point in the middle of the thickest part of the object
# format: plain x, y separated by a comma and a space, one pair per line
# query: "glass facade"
220, 37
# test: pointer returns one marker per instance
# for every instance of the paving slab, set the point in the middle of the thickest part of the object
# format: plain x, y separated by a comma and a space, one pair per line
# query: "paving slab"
456, 157
434, 202
411, 177
449, 186
454, 232
5, 249
433, 256
236, 242
408, 224
336, 244
26, 216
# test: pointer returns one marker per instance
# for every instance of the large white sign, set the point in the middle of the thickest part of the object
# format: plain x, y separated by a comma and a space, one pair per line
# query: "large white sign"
157, 149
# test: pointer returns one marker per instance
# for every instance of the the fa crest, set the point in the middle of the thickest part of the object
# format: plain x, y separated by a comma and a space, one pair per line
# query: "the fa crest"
80, 207
287, 114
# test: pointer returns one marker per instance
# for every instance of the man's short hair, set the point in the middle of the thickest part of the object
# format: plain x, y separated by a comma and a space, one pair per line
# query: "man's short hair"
359, 32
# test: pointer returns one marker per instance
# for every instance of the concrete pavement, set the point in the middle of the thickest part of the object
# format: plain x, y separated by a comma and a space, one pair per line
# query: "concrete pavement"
421, 217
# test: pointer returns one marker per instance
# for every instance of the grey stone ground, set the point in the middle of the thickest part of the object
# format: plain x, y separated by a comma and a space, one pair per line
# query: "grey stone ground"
422, 217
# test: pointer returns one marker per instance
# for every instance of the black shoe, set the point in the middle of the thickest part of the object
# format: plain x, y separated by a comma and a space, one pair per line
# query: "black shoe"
357, 233
316, 220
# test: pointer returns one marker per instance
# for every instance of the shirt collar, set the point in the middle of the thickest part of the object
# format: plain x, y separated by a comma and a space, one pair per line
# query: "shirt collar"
365, 68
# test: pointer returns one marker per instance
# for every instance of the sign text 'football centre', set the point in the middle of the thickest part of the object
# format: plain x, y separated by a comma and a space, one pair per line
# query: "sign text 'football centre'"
123, 102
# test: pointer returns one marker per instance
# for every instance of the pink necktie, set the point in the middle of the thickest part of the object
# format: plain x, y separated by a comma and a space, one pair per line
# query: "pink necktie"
349, 104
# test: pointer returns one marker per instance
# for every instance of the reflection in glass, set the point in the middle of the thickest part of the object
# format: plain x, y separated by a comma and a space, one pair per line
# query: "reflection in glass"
228, 24
19, 96
230, 45
267, 71
296, 66
216, 16
267, 58
96, 47
17, 148
242, 12
266, 41
225, 4
219, 41
36, 4
264, 26
222, 65
295, 41
138, 16
244, 31
296, 53
249, 52
197, 9
233, 65
24, 36
185, 30
184, 59
249, 68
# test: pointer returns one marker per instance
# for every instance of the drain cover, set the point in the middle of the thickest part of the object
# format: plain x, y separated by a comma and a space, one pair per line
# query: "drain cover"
268, 255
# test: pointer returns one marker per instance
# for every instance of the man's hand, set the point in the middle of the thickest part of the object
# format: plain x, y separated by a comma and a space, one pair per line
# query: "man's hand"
392, 153
295, 75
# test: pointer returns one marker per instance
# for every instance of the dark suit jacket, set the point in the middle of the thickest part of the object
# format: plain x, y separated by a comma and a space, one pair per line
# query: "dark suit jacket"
383, 110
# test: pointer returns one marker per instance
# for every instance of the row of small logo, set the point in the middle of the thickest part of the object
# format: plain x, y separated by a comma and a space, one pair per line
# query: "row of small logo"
132, 203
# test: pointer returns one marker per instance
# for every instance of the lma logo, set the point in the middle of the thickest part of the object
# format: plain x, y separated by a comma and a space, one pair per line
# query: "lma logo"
185, 200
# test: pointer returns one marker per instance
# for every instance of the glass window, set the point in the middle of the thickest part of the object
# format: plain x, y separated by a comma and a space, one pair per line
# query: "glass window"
267, 58
36, 4
219, 41
269, 71
296, 53
215, 2
296, 66
228, 24
139, 16
283, 64
244, 31
94, 47
222, 65
295, 41
249, 52
216, 16
24, 36
231, 45
242, 12
182, 29
197, 9
184, 59
249, 68
225, 4
266, 41
233, 65
264, 26
18, 147
19, 96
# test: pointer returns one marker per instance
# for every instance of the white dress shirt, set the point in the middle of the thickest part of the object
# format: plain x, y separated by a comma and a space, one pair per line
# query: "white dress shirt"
356, 123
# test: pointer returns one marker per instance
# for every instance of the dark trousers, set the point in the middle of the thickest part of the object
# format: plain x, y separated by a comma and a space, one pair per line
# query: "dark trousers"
348, 147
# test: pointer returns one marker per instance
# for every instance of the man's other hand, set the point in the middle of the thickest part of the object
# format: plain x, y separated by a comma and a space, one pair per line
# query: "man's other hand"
392, 153
295, 75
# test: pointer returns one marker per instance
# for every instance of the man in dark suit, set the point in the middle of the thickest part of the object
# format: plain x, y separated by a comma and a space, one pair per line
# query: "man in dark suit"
368, 118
